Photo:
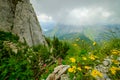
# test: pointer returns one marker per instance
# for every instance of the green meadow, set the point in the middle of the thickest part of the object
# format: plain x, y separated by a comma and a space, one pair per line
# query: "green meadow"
88, 60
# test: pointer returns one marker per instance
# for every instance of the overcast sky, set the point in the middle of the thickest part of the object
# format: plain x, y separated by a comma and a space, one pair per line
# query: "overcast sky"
78, 12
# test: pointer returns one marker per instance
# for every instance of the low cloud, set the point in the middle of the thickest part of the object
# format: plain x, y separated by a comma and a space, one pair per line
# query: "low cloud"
78, 12
86, 16
44, 18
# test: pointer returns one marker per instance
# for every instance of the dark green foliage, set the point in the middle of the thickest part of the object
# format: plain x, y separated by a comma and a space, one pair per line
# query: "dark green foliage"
8, 36
13, 65
42, 52
48, 41
115, 43
59, 48
111, 44
27, 63
83, 52
56, 50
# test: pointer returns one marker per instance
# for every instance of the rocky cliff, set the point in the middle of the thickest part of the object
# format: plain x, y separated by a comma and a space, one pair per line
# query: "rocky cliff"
18, 17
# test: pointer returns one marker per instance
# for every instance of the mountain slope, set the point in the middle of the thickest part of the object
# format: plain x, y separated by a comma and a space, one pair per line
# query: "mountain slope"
91, 32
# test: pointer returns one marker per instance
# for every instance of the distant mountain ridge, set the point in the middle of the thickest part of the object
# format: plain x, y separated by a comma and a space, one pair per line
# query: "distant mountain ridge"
90, 32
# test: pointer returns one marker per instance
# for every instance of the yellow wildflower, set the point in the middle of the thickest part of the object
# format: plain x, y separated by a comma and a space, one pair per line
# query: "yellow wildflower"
115, 52
87, 67
113, 70
72, 60
74, 71
75, 45
118, 68
92, 57
70, 70
115, 61
84, 58
100, 74
79, 68
74, 67
96, 73
94, 43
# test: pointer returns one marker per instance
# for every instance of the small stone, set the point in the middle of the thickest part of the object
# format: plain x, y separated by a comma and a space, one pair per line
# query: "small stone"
58, 72
51, 77
102, 68
64, 77
61, 70
118, 58
106, 63
56, 69
15, 51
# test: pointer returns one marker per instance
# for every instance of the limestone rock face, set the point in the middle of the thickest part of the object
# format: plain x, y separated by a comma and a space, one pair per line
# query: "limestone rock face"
6, 15
18, 16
